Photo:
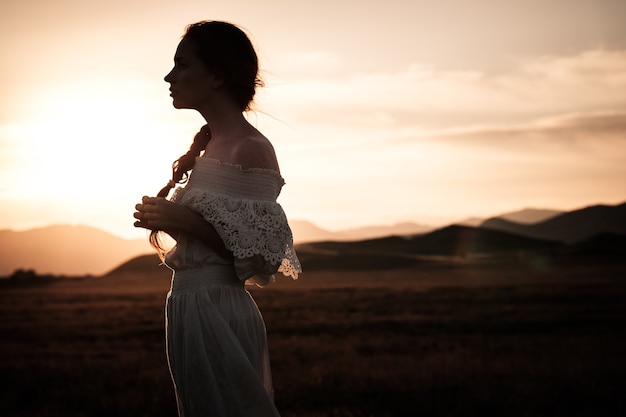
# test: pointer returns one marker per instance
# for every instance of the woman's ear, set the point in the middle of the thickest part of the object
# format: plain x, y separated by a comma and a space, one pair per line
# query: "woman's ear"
216, 80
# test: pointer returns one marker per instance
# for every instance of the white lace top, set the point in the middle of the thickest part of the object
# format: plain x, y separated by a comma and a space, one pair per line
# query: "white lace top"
241, 205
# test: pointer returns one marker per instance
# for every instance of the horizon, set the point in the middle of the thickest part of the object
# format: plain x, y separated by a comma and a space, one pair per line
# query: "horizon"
396, 112
78, 250
431, 225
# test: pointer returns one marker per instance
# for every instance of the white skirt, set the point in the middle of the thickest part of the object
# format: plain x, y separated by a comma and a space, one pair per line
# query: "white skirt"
217, 346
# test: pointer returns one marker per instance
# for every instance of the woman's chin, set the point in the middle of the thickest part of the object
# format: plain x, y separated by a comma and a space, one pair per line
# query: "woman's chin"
179, 105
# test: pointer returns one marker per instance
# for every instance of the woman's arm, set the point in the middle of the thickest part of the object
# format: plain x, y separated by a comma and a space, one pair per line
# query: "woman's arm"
157, 213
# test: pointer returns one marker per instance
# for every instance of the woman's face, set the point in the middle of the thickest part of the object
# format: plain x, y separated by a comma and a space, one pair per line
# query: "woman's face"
191, 84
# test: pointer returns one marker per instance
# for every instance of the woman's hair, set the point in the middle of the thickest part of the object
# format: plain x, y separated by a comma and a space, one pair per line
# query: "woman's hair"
226, 51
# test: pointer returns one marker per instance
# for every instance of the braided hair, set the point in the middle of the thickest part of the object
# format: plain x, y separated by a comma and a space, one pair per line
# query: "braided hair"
184, 164
180, 175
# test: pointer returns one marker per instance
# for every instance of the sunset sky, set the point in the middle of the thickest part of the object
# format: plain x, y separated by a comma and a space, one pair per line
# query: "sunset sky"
380, 112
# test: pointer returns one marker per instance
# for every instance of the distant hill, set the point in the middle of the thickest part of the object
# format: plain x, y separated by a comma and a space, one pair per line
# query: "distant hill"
454, 241
143, 264
570, 227
526, 216
398, 229
305, 231
471, 221
65, 250
530, 215
463, 240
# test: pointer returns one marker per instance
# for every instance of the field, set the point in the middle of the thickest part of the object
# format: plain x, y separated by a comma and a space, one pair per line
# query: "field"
426, 340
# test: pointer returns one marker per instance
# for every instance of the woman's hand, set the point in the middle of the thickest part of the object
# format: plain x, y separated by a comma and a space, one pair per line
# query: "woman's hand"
158, 213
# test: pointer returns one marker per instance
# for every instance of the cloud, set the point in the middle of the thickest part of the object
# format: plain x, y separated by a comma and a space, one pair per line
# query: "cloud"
593, 78
426, 96
570, 130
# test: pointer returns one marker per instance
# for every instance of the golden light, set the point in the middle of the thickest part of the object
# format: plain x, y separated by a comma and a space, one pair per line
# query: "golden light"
86, 137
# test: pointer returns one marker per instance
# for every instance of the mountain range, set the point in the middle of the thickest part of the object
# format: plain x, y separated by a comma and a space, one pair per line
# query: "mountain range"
569, 227
304, 231
80, 250
596, 232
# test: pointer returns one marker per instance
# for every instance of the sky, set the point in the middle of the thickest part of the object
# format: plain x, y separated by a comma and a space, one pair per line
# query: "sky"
380, 112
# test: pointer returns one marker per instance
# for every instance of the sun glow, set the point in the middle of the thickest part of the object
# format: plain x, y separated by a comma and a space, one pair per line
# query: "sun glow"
90, 150
84, 137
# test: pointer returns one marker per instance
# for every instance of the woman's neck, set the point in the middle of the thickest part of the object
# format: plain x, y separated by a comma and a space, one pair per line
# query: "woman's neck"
226, 120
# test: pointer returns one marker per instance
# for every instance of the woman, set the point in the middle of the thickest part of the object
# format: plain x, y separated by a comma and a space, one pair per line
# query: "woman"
228, 230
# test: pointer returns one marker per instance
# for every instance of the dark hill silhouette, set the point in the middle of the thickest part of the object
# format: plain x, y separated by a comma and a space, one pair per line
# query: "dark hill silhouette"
381, 253
452, 240
144, 264
603, 245
305, 231
449, 242
570, 227
463, 240
65, 250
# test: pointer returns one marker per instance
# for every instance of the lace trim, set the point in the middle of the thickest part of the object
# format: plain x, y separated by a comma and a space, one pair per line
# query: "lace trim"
248, 227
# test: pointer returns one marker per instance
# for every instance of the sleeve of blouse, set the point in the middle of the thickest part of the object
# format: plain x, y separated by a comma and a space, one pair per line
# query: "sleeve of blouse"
255, 231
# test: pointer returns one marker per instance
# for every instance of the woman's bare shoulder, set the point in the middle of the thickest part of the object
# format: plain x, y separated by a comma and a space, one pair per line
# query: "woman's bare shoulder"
256, 151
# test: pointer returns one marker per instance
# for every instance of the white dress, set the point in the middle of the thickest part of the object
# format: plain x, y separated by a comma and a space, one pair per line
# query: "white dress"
216, 340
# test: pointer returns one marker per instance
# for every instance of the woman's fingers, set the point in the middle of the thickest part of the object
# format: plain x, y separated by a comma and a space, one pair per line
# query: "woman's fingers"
150, 204
142, 225
146, 213
153, 213
158, 213
154, 200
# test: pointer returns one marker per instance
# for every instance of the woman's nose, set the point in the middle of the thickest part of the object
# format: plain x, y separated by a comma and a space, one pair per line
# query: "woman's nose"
168, 78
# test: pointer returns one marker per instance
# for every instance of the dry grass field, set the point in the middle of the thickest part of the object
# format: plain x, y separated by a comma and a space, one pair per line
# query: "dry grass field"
426, 340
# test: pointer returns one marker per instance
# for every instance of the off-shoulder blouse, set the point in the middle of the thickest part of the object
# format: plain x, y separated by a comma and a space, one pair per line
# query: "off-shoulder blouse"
241, 205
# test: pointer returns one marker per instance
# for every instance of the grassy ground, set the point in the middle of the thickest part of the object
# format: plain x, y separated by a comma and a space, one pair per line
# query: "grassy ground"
426, 341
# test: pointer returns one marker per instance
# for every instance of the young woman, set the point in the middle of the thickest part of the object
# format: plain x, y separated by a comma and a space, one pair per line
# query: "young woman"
228, 229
